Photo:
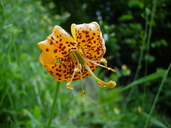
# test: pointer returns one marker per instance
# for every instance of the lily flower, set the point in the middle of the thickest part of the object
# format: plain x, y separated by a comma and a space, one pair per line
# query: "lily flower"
69, 58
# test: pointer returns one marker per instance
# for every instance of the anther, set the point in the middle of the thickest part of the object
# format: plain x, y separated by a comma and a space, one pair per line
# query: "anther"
69, 86
82, 93
113, 70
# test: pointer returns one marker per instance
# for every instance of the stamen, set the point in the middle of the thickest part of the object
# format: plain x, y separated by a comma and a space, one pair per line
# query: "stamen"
76, 69
110, 84
103, 60
82, 92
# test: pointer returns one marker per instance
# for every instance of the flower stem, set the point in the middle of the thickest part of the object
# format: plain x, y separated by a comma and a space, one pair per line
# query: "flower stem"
53, 106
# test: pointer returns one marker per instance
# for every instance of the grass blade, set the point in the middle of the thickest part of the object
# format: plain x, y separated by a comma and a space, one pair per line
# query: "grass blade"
145, 79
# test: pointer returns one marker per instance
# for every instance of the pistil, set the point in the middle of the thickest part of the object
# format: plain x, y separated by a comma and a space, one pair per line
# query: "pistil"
110, 84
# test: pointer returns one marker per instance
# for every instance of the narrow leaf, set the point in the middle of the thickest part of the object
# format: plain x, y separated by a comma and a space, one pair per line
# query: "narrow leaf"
154, 121
145, 79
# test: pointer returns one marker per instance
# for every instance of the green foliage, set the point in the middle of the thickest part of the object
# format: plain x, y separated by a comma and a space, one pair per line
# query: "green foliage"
27, 90
22, 27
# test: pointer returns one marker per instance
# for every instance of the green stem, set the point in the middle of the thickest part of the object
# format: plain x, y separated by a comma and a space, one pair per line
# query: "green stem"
53, 106
143, 47
156, 98
150, 32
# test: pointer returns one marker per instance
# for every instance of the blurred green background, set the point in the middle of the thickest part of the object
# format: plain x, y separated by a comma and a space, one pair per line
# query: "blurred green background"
137, 35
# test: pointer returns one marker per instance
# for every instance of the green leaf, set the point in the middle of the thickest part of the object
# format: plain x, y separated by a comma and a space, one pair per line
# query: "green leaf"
145, 79
125, 17
154, 121
1, 13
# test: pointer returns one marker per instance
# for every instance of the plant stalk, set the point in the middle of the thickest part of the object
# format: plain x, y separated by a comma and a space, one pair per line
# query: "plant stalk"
53, 106
156, 98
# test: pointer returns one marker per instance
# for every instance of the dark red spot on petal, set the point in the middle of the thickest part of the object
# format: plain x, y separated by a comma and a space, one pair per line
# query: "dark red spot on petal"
86, 32
72, 43
64, 52
47, 50
87, 36
51, 43
52, 38
64, 47
55, 51
79, 37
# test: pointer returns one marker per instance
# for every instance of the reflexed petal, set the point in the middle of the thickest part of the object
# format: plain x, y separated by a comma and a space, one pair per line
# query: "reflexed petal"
59, 44
45, 58
89, 39
64, 71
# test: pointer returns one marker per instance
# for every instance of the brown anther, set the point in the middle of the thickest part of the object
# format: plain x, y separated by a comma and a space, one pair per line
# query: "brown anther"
70, 87
82, 93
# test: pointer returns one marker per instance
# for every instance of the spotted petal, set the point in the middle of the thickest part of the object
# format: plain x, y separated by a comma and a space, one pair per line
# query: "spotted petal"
90, 40
60, 71
59, 44
63, 71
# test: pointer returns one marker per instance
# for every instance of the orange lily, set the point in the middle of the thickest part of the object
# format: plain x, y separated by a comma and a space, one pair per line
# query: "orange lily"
69, 58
